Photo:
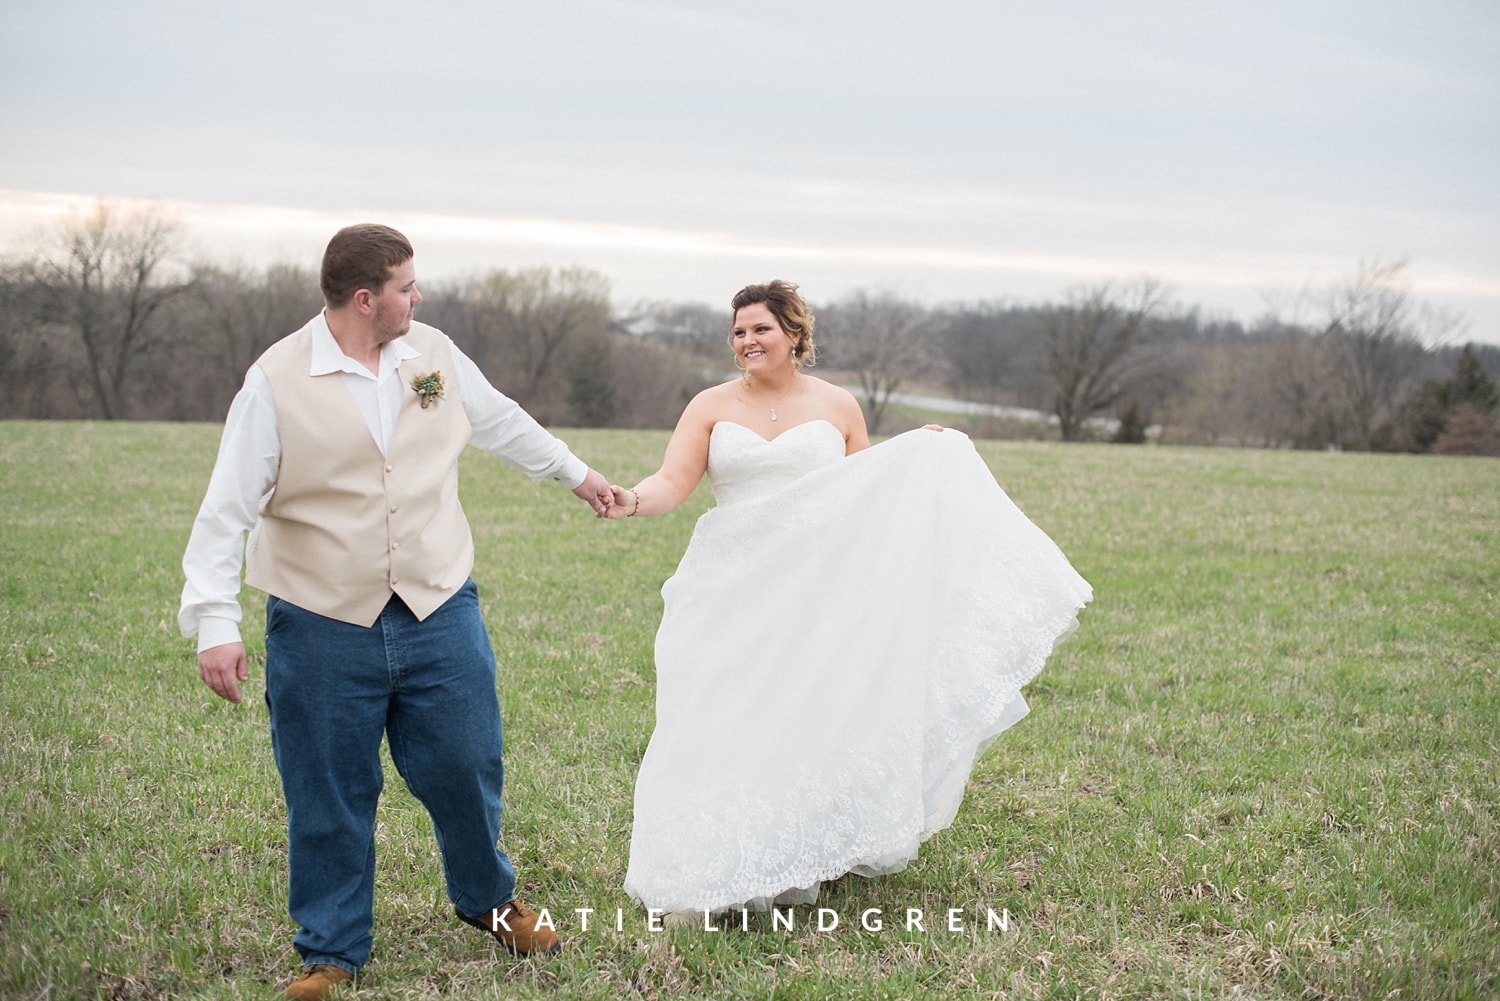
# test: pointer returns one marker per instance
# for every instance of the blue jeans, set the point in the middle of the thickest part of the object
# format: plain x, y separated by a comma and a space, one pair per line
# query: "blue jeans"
333, 690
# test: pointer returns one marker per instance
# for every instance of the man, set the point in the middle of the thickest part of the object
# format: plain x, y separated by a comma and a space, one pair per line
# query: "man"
341, 452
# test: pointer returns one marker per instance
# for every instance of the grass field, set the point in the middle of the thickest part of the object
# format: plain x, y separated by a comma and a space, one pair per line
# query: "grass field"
1264, 767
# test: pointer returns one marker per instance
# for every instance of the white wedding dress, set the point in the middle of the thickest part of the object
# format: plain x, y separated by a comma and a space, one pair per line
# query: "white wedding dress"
840, 639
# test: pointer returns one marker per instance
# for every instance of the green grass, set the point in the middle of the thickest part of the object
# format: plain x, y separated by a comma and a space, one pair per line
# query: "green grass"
1264, 767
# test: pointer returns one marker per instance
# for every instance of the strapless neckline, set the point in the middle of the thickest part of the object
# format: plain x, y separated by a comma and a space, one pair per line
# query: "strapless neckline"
744, 464
780, 435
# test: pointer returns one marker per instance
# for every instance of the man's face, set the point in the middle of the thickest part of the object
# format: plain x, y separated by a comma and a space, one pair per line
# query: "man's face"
396, 303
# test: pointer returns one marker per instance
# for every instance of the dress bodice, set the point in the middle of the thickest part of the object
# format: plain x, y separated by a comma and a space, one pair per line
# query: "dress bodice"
743, 466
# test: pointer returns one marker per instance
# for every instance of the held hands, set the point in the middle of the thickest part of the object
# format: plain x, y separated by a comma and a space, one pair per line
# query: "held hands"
626, 502
595, 489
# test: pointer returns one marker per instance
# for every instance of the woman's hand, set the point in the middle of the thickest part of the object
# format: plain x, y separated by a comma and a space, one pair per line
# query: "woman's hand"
626, 502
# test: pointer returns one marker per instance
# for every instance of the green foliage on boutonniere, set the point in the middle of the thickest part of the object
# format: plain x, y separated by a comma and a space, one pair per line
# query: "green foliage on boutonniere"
429, 387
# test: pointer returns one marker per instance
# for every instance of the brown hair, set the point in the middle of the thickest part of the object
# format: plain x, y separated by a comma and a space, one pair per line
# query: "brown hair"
790, 310
361, 257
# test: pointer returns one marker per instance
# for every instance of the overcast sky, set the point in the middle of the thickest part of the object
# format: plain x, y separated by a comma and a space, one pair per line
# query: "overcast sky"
1240, 152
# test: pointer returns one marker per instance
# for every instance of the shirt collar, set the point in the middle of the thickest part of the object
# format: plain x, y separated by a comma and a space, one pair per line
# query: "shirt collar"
328, 357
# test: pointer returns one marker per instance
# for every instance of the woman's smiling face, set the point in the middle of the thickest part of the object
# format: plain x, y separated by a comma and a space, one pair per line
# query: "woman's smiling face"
758, 340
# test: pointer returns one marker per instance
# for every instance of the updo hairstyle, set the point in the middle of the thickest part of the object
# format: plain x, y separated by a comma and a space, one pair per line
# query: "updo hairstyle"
790, 310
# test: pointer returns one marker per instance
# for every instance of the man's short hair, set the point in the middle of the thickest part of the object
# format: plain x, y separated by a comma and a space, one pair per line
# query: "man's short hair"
361, 256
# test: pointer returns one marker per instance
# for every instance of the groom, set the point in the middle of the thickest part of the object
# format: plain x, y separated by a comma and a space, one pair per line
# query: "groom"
341, 452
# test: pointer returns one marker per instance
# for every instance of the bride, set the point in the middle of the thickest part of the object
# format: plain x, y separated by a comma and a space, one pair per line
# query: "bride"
848, 627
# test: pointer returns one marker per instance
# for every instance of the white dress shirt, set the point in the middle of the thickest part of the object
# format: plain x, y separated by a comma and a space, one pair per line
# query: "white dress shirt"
250, 454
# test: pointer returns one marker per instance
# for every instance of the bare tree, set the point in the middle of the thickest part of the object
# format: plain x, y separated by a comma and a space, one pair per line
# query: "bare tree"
1212, 406
1098, 350
1373, 345
651, 382
599, 375
99, 278
34, 364
1308, 408
242, 313
989, 349
879, 339
526, 322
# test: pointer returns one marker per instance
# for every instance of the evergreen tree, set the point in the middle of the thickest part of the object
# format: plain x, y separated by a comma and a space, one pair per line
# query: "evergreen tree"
1132, 429
1425, 414
1472, 384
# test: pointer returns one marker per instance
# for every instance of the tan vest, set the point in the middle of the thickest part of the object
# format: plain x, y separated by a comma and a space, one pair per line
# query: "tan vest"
345, 526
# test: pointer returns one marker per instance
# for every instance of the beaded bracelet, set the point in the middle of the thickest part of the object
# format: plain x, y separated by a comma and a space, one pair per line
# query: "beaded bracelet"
637, 505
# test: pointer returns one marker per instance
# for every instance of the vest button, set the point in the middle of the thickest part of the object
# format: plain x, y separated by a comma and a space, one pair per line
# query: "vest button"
395, 545
395, 508
395, 581
390, 468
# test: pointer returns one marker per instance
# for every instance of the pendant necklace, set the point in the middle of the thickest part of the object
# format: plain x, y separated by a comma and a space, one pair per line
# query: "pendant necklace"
784, 394
774, 418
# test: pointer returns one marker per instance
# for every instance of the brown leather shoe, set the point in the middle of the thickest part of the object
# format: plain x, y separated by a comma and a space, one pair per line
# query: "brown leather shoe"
317, 982
514, 926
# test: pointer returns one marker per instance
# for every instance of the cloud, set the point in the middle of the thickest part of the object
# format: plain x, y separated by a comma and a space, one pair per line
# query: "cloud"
949, 149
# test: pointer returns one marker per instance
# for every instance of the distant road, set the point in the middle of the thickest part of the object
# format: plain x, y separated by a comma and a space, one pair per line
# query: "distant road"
946, 405
943, 404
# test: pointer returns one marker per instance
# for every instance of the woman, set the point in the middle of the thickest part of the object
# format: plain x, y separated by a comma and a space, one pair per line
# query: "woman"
848, 626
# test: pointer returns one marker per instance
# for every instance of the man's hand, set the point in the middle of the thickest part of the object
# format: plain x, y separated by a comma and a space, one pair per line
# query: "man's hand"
222, 668
595, 490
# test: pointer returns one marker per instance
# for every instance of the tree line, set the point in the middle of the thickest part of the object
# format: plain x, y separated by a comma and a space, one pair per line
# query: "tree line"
103, 319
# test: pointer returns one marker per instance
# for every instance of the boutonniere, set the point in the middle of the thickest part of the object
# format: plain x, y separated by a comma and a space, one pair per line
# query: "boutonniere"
429, 387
